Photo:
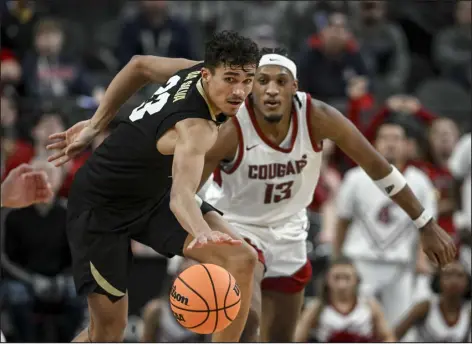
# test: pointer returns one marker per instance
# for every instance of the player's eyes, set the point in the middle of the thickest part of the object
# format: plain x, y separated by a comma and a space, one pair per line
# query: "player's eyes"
262, 81
229, 80
248, 81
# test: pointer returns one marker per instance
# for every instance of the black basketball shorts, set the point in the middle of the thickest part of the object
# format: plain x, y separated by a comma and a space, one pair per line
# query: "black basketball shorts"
101, 257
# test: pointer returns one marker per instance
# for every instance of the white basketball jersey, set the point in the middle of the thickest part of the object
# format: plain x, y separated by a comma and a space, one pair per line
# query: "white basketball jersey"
380, 229
267, 184
435, 329
334, 326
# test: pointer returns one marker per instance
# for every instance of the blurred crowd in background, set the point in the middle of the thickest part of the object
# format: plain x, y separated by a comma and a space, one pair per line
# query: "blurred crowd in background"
373, 60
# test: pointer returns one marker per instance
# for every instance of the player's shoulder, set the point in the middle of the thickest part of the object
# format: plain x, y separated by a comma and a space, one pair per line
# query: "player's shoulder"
193, 69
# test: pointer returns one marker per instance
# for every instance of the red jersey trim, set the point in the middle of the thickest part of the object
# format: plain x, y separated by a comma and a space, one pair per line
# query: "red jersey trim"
261, 134
316, 147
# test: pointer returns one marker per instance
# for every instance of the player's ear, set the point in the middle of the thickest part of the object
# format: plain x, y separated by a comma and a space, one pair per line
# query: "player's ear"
206, 74
295, 87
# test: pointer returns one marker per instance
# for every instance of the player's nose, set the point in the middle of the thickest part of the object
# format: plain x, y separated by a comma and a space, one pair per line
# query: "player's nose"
238, 92
272, 89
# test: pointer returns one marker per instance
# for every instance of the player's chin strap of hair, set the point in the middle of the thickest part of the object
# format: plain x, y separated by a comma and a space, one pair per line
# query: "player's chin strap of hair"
392, 184
279, 60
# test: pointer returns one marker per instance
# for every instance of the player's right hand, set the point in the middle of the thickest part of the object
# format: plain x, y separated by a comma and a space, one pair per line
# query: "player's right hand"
71, 142
214, 237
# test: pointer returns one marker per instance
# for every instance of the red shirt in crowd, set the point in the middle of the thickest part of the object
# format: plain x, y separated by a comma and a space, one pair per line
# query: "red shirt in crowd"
24, 152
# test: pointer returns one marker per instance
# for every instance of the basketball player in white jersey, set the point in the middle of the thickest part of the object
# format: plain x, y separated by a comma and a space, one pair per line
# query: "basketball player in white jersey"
377, 234
460, 167
269, 159
278, 156
340, 314
446, 317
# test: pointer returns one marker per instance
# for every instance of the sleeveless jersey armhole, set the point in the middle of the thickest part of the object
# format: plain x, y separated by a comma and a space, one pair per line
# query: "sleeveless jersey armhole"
317, 147
231, 166
171, 120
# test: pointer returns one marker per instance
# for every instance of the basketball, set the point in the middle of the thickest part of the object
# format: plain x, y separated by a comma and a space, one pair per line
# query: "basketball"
205, 298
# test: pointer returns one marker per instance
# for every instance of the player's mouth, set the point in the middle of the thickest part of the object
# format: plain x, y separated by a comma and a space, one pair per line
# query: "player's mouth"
235, 103
272, 104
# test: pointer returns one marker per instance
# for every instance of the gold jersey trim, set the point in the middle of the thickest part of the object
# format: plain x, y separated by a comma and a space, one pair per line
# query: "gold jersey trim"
104, 284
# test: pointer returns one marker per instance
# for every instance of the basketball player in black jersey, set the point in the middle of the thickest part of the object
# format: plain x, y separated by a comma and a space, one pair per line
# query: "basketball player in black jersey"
141, 183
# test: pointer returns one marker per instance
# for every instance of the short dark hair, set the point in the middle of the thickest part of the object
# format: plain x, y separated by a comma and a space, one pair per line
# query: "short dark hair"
278, 50
391, 122
229, 48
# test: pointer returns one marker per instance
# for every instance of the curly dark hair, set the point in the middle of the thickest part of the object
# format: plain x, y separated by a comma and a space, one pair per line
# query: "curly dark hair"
229, 48
278, 50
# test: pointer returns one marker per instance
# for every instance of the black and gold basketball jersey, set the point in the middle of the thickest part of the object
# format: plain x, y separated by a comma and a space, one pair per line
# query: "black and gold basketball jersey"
127, 172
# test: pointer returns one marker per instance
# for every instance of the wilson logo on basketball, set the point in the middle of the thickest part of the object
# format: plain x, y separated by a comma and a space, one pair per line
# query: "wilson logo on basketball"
178, 317
178, 297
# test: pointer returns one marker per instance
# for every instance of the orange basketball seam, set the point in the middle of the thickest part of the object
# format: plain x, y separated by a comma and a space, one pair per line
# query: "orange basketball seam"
214, 294
226, 296
209, 310
204, 301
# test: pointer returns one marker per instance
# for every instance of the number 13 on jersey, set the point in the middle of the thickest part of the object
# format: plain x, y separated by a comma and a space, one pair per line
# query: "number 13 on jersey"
154, 104
275, 193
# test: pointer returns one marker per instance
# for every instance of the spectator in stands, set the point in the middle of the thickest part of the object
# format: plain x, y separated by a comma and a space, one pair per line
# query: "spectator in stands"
325, 195
311, 17
445, 317
443, 136
153, 31
453, 46
460, 167
10, 68
330, 60
18, 20
36, 258
52, 121
340, 314
383, 46
8, 136
264, 22
377, 234
47, 72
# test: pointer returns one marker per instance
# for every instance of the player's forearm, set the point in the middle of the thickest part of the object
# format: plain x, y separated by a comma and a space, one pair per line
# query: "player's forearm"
186, 209
125, 84
408, 202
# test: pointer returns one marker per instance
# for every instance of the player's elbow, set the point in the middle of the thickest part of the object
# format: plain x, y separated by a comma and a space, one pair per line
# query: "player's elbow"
138, 64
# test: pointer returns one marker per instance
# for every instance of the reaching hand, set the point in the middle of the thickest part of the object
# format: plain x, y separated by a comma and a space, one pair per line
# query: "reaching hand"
215, 237
437, 244
23, 187
71, 142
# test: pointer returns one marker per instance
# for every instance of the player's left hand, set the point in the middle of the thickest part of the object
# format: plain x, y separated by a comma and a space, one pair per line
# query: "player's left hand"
437, 244
23, 187
214, 237
71, 142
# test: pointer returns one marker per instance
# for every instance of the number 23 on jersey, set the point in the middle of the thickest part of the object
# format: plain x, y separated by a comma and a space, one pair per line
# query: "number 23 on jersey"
158, 100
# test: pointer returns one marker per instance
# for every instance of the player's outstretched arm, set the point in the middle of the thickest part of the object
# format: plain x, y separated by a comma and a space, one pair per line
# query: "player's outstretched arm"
140, 71
159, 69
328, 123
195, 138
